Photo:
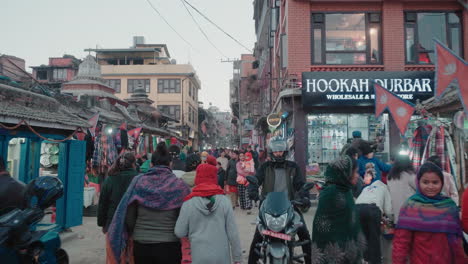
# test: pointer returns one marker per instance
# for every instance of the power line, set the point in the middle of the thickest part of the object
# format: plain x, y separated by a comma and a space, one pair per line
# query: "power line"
218, 27
201, 30
173, 29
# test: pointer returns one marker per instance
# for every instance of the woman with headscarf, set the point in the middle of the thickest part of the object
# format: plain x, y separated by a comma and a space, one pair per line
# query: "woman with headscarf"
191, 164
121, 175
337, 236
429, 228
142, 230
208, 220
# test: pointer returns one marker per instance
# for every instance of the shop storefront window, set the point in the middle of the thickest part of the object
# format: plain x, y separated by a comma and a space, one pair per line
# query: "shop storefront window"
422, 28
328, 134
346, 38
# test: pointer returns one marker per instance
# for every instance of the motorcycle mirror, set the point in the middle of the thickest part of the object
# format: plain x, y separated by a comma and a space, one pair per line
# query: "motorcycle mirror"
308, 186
252, 180
298, 225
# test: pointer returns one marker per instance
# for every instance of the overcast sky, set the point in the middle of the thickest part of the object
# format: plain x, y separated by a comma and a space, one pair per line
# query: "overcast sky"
36, 30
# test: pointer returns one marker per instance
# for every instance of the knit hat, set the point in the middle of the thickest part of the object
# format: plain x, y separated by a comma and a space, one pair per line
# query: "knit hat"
206, 173
211, 160
248, 156
366, 149
357, 134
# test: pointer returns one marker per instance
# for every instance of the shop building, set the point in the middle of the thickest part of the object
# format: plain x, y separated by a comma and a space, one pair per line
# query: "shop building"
172, 87
335, 49
57, 71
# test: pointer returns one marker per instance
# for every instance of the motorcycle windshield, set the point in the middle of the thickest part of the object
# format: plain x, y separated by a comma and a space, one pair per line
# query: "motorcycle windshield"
276, 203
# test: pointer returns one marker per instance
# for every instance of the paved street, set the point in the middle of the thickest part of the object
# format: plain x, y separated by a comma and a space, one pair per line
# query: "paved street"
86, 244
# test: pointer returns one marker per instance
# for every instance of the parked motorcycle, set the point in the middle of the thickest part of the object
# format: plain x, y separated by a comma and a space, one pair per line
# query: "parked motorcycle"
20, 243
278, 222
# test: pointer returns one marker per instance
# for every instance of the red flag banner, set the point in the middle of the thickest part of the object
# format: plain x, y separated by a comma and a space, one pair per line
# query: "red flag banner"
93, 122
400, 109
449, 67
135, 133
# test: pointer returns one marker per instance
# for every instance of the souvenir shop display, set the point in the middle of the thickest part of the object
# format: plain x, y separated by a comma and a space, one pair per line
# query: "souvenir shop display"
49, 159
328, 134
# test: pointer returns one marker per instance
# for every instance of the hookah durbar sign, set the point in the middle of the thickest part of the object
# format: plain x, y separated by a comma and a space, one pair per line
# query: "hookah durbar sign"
356, 89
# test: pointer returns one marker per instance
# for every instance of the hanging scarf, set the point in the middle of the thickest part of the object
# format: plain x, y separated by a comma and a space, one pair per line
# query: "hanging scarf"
336, 232
158, 189
436, 215
418, 144
204, 190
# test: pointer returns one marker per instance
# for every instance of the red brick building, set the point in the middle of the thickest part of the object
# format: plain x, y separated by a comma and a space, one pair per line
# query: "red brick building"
57, 72
342, 46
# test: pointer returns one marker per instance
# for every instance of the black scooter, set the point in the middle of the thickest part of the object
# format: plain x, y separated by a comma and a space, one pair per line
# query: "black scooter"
20, 243
278, 222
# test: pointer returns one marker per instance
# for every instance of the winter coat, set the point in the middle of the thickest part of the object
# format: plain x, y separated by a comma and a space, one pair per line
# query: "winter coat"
465, 212
113, 188
424, 248
213, 234
400, 190
266, 177
377, 193
221, 177
379, 166
231, 172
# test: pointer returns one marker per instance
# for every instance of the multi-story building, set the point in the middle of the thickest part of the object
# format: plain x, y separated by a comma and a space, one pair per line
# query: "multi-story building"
173, 87
245, 98
57, 72
336, 48
14, 68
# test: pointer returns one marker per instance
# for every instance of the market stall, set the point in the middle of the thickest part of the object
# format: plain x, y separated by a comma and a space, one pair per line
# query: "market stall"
36, 139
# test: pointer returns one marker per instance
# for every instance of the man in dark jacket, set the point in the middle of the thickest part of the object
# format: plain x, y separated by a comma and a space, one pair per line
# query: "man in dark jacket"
280, 175
231, 175
11, 191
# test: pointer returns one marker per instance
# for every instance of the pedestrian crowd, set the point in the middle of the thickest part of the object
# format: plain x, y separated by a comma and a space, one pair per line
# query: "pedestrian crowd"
173, 206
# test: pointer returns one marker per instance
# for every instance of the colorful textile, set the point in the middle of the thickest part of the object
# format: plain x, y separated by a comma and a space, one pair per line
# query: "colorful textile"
204, 190
426, 215
418, 144
159, 189
337, 236
437, 215
244, 200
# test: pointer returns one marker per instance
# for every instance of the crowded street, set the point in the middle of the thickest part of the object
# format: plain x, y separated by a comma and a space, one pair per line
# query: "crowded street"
234, 132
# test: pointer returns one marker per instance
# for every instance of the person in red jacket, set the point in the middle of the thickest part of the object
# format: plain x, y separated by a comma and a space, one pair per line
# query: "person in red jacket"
429, 229
465, 212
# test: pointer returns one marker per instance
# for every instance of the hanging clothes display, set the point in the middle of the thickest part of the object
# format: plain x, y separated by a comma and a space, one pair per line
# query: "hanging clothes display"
418, 144
440, 144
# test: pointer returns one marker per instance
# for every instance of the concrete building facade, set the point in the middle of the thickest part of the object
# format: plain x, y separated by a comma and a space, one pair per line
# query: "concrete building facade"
173, 87
355, 40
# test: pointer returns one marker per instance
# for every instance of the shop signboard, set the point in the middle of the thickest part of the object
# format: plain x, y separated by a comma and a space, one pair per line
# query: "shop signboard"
274, 120
355, 88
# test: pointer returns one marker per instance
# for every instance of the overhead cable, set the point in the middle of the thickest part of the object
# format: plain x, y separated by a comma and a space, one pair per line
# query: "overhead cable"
218, 27
164, 19
201, 30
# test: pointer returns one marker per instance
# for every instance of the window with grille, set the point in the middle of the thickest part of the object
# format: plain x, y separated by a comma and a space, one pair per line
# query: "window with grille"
169, 85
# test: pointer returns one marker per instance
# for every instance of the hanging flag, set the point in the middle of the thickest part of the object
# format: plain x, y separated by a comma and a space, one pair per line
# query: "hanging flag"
123, 126
93, 122
449, 67
400, 109
135, 133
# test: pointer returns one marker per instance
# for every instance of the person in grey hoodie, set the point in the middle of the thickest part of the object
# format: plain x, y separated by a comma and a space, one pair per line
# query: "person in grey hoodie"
207, 219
